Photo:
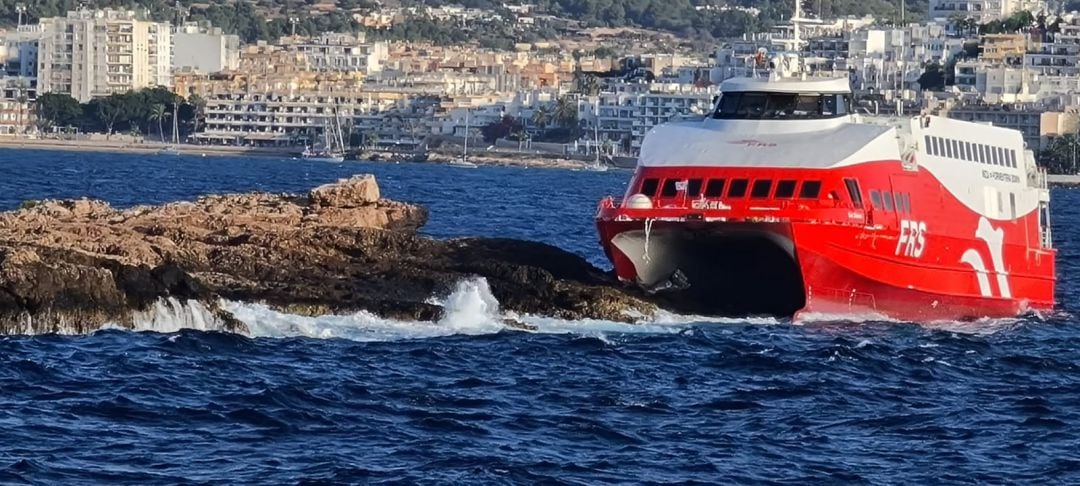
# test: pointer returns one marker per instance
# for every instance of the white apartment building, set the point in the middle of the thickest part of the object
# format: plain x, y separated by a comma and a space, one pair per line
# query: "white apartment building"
625, 112
1060, 57
340, 52
205, 50
982, 10
100, 52
19, 51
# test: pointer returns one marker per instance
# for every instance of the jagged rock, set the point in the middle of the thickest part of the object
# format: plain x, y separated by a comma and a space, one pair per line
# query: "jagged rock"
353, 192
71, 266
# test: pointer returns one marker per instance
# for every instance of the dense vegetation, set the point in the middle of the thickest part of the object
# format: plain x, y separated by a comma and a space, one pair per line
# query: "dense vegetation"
146, 112
269, 19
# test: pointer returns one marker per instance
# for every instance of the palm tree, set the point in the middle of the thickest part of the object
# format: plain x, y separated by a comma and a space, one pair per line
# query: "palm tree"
566, 112
198, 103
541, 116
157, 113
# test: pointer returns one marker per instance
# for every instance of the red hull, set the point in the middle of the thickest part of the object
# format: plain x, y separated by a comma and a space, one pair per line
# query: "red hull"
928, 258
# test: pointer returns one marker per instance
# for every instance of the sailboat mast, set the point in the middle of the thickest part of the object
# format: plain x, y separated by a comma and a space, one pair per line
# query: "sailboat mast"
176, 123
596, 129
465, 151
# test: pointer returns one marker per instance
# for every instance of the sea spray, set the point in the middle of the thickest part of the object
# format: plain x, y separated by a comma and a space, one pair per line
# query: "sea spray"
171, 315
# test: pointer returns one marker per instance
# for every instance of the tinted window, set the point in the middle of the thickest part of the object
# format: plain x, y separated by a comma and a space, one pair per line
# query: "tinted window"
1012, 158
761, 188
649, 187
715, 188
738, 188
693, 187
984, 155
968, 153
948, 148
995, 155
901, 203
669, 189
875, 199
887, 200
929, 145
785, 189
777, 106
853, 192
810, 189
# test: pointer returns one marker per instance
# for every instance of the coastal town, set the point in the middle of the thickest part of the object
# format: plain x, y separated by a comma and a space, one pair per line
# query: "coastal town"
119, 78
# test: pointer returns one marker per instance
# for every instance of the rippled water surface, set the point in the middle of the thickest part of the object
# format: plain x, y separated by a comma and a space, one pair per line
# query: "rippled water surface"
353, 399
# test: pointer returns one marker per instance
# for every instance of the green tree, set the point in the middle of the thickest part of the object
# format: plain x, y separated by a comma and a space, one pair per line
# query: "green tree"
157, 113
933, 77
57, 110
566, 112
542, 116
198, 105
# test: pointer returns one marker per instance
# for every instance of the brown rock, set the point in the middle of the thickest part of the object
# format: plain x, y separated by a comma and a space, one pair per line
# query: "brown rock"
71, 266
353, 192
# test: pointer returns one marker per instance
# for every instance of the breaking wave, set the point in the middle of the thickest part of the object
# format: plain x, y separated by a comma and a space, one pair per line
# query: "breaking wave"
470, 309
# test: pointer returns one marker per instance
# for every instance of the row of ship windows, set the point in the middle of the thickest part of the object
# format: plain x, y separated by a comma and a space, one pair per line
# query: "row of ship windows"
901, 202
974, 152
736, 188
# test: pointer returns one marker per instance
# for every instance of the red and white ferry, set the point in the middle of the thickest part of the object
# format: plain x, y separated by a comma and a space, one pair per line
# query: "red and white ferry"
785, 201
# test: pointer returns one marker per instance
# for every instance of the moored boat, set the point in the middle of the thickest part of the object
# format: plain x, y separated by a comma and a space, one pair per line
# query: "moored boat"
785, 201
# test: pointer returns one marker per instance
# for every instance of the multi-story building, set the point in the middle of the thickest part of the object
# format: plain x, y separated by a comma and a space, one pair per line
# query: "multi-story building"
1035, 122
19, 51
624, 112
1003, 48
340, 52
100, 52
982, 10
203, 49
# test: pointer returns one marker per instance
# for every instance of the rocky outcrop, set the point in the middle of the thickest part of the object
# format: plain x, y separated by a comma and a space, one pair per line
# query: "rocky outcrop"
71, 266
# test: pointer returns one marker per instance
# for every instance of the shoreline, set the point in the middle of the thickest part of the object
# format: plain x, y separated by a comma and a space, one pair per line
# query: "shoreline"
488, 159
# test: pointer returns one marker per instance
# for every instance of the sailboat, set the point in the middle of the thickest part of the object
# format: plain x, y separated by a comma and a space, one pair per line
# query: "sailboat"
463, 162
597, 166
333, 145
171, 149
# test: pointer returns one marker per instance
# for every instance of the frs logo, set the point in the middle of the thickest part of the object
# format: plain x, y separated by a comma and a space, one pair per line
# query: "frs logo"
994, 239
912, 239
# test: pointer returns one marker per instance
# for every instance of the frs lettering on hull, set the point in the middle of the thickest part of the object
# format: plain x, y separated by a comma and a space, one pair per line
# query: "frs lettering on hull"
1000, 176
912, 240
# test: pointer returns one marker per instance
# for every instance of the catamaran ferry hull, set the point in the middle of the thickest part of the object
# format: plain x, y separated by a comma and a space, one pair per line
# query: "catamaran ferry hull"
926, 256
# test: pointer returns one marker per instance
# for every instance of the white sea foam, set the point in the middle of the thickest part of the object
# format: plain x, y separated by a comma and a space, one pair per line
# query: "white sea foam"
171, 315
470, 309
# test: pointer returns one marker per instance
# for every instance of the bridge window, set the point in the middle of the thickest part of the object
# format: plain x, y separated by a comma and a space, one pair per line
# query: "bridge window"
929, 145
761, 189
715, 188
649, 187
810, 190
693, 187
749, 105
785, 189
670, 188
968, 152
887, 200
738, 188
984, 157
995, 155
853, 192
875, 199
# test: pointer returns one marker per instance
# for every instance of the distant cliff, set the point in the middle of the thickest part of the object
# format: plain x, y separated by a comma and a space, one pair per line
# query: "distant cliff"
72, 266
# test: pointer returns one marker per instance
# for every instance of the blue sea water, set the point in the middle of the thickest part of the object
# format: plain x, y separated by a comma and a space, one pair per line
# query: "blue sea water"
357, 399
